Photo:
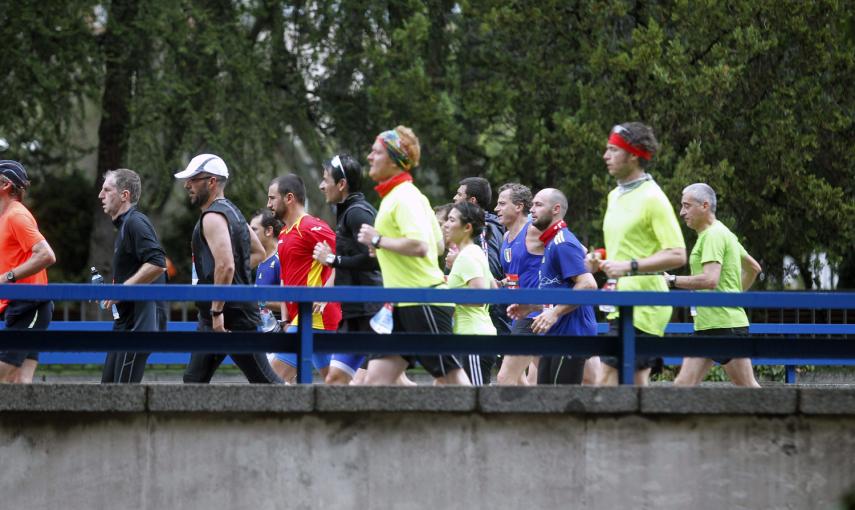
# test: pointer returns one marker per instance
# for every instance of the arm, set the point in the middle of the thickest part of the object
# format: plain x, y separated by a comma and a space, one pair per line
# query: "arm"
401, 245
216, 230
363, 261
318, 307
41, 258
707, 280
662, 260
544, 322
256, 249
750, 269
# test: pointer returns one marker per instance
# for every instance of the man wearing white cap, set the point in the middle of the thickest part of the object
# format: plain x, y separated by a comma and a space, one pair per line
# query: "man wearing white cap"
224, 250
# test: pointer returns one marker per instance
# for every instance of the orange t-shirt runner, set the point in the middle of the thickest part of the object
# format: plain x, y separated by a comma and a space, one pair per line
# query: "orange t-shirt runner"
296, 245
19, 232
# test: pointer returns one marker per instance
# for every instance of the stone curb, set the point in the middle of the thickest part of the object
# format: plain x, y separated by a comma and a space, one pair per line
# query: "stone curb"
837, 401
671, 400
230, 398
558, 399
395, 399
122, 398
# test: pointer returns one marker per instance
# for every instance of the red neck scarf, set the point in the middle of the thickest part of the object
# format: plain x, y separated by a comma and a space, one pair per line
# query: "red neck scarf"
389, 184
550, 232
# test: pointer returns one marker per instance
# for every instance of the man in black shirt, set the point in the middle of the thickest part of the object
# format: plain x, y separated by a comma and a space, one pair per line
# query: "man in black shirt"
225, 250
342, 185
138, 258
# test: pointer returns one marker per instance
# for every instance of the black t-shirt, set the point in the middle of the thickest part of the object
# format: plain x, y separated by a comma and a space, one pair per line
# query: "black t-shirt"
353, 264
136, 243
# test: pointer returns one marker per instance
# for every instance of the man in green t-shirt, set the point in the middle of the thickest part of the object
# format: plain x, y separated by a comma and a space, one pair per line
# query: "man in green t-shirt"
718, 263
642, 236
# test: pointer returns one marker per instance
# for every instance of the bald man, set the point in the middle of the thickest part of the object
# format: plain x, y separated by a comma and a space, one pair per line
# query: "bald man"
562, 267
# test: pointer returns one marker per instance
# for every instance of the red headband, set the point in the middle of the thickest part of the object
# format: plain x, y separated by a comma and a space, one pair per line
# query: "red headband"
616, 139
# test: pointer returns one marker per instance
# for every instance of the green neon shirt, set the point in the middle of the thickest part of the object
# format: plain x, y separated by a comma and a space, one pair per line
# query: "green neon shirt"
470, 264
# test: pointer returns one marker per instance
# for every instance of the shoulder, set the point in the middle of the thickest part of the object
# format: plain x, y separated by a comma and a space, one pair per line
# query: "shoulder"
566, 241
314, 224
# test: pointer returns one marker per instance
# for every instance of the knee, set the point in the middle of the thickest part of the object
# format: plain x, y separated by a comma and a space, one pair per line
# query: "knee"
337, 377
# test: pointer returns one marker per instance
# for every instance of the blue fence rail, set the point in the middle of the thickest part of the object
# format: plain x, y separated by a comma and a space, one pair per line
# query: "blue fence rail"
626, 346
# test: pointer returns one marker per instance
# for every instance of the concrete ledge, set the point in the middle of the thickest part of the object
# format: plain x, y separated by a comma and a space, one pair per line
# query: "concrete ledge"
557, 399
73, 397
671, 400
395, 398
231, 398
827, 401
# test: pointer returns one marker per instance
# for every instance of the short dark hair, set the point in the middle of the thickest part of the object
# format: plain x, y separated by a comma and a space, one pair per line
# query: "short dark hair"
479, 188
127, 180
352, 171
520, 195
471, 214
641, 135
291, 183
268, 219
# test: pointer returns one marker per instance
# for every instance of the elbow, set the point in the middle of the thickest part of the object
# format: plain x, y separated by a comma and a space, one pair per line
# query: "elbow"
421, 250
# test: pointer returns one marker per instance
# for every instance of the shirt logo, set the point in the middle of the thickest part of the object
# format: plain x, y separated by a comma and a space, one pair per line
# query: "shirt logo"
507, 254
315, 229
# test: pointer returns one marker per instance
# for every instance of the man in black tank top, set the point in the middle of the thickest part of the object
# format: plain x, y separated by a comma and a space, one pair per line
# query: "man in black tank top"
224, 251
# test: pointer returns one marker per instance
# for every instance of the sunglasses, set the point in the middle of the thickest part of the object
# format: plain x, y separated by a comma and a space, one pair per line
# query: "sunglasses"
335, 163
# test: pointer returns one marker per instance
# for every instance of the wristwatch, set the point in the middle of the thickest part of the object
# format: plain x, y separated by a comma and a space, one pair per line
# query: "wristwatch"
10, 277
672, 281
375, 241
633, 267
330, 259
216, 313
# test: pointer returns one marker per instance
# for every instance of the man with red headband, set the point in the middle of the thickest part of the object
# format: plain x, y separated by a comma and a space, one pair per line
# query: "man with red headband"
642, 236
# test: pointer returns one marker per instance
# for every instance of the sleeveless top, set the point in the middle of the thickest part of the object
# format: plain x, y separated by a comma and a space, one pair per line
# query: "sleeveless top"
244, 312
517, 260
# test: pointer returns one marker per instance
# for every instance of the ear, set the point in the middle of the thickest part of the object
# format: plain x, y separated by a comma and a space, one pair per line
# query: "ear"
472, 200
268, 231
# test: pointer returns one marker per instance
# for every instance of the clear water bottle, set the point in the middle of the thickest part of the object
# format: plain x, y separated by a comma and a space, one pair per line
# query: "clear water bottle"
98, 279
610, 286
269, 324
382, 322
194, 277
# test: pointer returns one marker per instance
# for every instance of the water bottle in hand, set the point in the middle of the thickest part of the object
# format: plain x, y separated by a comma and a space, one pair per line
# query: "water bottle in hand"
98, 279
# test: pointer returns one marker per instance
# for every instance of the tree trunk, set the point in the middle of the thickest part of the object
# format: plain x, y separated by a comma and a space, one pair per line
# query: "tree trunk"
113, 131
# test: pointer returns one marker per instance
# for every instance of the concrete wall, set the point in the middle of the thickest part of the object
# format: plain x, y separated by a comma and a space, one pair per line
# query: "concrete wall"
237, 446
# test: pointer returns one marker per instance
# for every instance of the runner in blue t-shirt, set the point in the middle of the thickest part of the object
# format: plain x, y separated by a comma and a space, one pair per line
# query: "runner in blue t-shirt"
563, 266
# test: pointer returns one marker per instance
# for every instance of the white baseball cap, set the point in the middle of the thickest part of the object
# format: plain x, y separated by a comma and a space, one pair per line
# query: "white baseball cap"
205, 163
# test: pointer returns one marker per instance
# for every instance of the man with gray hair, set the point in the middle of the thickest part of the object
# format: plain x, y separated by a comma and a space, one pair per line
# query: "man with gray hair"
138, 258
718, 262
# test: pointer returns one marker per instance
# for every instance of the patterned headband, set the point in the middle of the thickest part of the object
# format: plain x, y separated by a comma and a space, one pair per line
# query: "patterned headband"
392, 141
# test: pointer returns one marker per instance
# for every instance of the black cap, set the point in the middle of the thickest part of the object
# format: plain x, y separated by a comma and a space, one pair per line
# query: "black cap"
15, 172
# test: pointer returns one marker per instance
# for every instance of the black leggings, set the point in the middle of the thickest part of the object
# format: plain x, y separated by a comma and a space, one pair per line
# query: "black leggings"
560, 370
254, 366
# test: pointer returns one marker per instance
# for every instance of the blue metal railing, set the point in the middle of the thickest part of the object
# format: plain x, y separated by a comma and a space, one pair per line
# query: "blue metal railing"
626, 346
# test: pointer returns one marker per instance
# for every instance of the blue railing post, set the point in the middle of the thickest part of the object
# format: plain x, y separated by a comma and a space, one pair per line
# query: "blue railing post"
791, 374
307, 348
627, 346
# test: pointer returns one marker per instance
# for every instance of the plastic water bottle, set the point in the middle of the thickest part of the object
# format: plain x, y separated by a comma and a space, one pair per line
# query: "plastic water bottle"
610, 286
382, 322
98, 279
194, 277
269, 324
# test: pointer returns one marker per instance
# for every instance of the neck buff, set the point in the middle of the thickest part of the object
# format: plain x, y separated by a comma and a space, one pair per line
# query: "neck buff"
617, 139
629, 186
392, 141
389, 184
550, 232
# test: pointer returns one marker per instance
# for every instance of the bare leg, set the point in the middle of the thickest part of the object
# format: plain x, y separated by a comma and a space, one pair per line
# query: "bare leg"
609, 376
7, 372
741, 373
24, 374
531, 377
285, 371
455, 377
385, 371
337, 376
359, 378
406, 381
642, 377
693, 371
592, 371
512, 372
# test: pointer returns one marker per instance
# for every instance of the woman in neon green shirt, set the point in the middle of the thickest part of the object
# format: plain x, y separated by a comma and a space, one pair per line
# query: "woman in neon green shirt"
471, 269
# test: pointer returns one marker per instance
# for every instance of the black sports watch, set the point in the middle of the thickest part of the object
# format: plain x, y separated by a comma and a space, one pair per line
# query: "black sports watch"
633, 267
10, 277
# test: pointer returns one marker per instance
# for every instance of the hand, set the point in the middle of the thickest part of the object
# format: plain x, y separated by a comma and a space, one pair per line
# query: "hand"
593, 264
318, 307
615, 268
450, 257
366, 234
217, 324
107, 303
321, 251
544, 322
514, 312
